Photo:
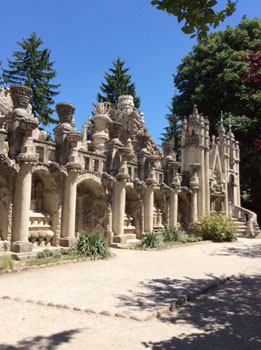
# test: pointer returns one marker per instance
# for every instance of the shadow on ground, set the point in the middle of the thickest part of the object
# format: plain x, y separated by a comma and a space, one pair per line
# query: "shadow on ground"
228, 317
243, 252
42, 343
159, 291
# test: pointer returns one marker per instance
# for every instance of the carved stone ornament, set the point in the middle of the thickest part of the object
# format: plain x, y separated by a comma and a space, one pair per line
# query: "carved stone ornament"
57, 168
7, 163
65, 112
114, 129
20, 95
142, 139
102, 108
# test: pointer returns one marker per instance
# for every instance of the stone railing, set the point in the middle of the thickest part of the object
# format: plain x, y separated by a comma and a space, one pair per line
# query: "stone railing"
250, 218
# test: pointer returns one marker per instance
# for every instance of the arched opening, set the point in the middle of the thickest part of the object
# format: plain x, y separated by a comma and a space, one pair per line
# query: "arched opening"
217, 193
91, 207
133, 213
160, 211
184, 208
231, 182
43, 210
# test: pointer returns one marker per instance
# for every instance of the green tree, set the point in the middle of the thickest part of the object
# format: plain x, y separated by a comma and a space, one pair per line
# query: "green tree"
117, 83
213, 76
173, 130
198, 15
32, 67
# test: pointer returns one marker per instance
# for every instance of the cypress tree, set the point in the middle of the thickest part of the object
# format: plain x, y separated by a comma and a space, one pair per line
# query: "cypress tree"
116, 84
32, 67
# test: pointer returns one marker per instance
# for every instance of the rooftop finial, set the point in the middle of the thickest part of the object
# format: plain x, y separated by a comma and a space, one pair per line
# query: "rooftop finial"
230, 125
230, 132
221, 129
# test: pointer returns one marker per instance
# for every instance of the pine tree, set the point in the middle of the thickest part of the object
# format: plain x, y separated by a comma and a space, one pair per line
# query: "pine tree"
32, 67
173, 131
117, 84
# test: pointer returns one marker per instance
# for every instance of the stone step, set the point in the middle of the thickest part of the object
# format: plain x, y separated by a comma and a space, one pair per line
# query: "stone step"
123, 239
131, 244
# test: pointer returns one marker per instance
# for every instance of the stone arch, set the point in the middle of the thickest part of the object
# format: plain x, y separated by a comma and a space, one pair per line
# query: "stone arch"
160, 215
184, 208
231, 182
133, 212
91, 205
44, 216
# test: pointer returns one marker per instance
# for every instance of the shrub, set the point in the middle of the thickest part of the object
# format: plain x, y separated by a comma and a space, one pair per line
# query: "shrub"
92, 245
46, 253
151, 240
170, 234
6, 262
217, 228
64, 251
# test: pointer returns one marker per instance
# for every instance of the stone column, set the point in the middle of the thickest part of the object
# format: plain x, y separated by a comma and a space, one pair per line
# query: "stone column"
173, 208
118, 207
22, 202
202, 192
194, 185
69, 210
148, 208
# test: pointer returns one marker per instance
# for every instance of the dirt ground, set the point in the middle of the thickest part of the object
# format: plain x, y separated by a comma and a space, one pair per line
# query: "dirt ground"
137, 283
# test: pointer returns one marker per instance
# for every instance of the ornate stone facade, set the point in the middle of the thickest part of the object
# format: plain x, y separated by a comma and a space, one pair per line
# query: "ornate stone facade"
111, 177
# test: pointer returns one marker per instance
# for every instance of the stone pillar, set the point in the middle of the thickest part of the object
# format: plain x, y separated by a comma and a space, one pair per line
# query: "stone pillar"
202, 184
194, 206
194, 185
22, 202
173, 208
118, 207
148, 208
69, 211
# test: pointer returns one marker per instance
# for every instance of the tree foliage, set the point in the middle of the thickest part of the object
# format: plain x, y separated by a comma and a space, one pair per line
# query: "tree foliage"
198, 15
117, 83
215, 77
32, 67
173, 130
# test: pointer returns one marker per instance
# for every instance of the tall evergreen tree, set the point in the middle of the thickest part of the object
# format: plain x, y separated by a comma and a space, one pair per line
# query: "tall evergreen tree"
32, 67
173, 130
118, 83
217, 77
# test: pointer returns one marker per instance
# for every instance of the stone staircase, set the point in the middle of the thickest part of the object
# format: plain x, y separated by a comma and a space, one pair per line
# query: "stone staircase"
246, 222
240, 226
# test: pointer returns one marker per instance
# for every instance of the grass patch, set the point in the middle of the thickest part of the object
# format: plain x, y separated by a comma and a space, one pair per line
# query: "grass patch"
6, 262
48, 260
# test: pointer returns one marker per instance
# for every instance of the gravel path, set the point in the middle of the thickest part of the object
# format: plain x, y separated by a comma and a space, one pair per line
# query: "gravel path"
133, 282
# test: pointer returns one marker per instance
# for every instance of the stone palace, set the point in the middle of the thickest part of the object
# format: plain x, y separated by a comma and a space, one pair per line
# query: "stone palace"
110, 178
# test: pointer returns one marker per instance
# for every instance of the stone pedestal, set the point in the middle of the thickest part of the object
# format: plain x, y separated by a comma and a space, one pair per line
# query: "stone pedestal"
69, 211
148, 208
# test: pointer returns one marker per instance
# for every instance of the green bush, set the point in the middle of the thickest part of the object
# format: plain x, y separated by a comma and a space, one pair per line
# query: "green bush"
46, 253
64, 251
173, 234
151, 240
92, 245
217, 228
6, 262
179, 235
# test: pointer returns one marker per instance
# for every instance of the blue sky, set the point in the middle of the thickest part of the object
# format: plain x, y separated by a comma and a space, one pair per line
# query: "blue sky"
85, 36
